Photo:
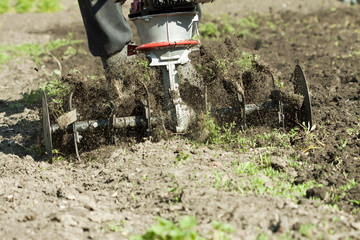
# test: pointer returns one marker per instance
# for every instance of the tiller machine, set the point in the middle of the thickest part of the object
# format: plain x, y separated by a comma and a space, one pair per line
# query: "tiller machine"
167, 31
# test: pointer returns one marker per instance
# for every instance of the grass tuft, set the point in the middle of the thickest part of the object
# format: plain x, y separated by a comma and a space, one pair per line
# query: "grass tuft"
4, 6
25, 6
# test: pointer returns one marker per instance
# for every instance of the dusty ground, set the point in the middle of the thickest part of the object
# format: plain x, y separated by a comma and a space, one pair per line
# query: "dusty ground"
117, 191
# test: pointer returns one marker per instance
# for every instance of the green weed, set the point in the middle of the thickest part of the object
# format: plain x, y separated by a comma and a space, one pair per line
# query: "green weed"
4, 6
115, 227
55, 89
247, 26
271, 25
16, 105
355, 130
246, 61
148, 72
352, 183
181, 157
343, 144
264, 179
145, 177
57, 156
356, 210
225, 25
338, 194
222, 181
220, 135
223, 66
222, 230
228, 25
48, 6
307, 230
167, 230
209, 30
36, 150
23, 6
355, 202
279, 84
33, 51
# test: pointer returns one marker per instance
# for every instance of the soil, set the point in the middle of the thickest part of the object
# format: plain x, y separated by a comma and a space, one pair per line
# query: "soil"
144, 176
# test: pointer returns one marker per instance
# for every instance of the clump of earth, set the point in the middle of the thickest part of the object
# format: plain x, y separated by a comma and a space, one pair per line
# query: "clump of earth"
212, 81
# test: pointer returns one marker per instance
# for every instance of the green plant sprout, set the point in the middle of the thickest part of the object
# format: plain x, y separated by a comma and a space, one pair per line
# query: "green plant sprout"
343, 144
58, 156
181, 157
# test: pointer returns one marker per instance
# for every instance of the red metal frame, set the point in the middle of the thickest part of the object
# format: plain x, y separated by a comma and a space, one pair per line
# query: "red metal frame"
168, 44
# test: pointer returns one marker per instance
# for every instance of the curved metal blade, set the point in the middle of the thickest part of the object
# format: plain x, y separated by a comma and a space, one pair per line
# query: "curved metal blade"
76, 134
301, 88
46, 127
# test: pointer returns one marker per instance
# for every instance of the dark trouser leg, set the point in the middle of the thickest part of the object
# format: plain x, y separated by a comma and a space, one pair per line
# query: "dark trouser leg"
106, 28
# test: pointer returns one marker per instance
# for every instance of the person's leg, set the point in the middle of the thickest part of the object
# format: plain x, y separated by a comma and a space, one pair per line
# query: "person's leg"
106, 28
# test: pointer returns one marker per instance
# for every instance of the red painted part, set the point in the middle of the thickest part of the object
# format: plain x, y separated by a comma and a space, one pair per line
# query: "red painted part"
168, 44
135, 6
131, 49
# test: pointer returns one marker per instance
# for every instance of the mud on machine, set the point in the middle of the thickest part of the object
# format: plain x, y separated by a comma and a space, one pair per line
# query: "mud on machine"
167, 31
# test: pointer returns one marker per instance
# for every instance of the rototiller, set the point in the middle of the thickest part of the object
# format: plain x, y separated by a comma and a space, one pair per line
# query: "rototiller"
168, 31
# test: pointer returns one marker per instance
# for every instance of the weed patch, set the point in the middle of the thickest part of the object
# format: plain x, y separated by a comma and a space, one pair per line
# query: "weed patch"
166, 229
209, 30
185, 229
33, 51
24, 6
225, 26
55, 89
4, 6
260, 177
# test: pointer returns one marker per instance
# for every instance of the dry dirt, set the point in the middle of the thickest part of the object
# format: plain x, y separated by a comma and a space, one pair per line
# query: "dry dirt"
129, 185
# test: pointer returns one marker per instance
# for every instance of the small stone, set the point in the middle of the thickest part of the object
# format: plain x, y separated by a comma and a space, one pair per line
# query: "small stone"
10, 198
71, 197
69, 220
284, 223
355, 225
280, 205
90, 207
263, 224
291, 205
296, 226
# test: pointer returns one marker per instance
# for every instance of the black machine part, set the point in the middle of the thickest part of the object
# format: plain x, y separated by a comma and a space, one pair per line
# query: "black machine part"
46, 126
301, 88
150, 7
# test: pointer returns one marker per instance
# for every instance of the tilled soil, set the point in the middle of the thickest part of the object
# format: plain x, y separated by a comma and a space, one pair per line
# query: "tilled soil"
130, 185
